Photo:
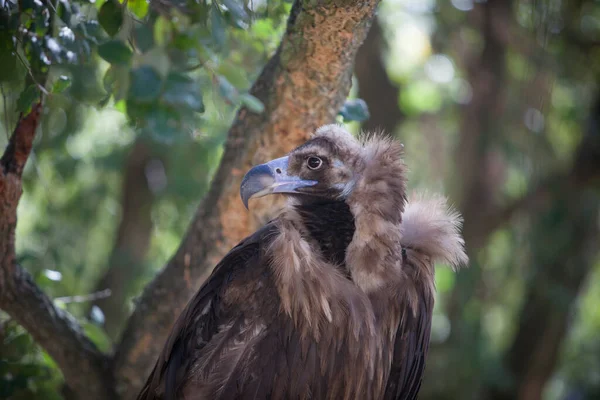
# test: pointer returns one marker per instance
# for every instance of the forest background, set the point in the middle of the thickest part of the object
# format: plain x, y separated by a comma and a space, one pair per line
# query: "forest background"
152, 112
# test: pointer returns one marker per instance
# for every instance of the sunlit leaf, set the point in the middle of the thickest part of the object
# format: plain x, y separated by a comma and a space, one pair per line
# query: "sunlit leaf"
97, 315
110, 17
145, 84
138, 7
355, 110
61, 84
115, 52
227, 90
121, 106
52, 275
54, 48
162, 31
252, 103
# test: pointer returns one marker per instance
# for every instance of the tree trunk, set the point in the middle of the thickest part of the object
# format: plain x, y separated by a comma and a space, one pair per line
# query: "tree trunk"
475, 189
374, 85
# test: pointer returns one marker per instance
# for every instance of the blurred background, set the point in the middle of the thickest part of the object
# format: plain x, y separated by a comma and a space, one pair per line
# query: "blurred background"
497, 103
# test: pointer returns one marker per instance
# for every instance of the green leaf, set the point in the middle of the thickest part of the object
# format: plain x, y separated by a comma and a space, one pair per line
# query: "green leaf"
162, 31
121, 106
180, 90
61, 84
138, 7
27, 97
252, 103
115, 52
109, 79
96, 333
145, 84
110, 17
354, 110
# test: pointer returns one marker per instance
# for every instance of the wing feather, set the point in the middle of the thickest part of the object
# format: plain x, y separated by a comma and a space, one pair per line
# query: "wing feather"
410, 351
199, 320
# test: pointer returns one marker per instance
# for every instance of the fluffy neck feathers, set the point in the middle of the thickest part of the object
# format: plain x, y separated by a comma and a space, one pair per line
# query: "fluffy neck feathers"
331, 227
377, 202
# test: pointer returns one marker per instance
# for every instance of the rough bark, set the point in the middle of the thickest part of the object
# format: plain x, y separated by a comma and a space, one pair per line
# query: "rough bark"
374, 85
132, 241
83, 366
303, 86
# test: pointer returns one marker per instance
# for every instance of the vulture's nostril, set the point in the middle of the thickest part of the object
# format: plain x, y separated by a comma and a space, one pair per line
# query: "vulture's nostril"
278, 170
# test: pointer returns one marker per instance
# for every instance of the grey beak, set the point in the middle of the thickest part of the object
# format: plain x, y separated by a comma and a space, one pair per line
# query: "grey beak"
268, 178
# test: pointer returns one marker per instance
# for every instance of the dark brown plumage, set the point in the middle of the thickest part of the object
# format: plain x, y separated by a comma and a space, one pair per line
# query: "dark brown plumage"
332, 299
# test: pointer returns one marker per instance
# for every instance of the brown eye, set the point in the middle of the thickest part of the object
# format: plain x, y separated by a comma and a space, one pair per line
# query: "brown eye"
314, 163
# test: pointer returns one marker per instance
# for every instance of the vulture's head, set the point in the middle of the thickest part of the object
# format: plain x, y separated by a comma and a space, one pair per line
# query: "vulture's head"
335, 166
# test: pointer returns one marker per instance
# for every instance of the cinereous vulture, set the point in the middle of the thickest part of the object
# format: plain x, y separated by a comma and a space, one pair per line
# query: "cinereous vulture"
332, 299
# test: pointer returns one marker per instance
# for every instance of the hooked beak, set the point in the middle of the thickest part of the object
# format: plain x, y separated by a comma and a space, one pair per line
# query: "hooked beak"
268, 178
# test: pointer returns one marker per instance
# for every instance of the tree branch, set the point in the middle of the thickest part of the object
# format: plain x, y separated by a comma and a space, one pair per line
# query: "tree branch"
19, 146
303, 86
83, 366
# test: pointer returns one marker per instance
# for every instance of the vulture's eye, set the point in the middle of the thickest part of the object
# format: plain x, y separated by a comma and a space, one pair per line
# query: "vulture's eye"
314, 163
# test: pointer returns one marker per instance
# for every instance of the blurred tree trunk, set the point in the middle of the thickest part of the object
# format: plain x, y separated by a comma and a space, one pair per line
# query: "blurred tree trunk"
374, 85
476, 192
132, 241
